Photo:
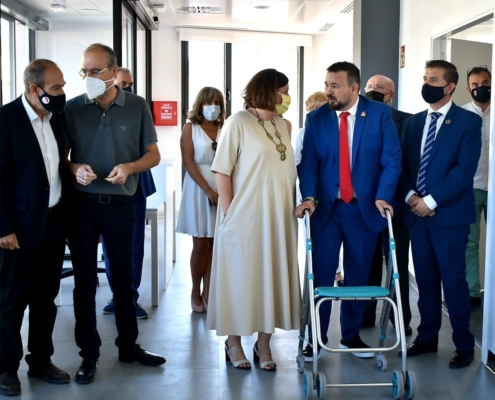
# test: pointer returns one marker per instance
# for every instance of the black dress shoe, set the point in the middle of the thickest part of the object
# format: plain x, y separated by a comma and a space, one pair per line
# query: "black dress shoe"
417, 348
140, 355
408, 330
87, 370
10, 385
462, 358
475, 301
49, 372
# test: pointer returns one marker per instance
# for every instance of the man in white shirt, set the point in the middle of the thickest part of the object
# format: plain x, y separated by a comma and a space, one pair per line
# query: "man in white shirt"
479, 86
33, 193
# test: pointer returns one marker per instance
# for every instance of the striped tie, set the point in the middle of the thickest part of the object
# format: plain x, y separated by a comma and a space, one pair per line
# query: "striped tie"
430, 140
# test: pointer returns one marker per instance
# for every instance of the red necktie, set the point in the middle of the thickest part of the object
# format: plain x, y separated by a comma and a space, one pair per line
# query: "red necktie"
346, 192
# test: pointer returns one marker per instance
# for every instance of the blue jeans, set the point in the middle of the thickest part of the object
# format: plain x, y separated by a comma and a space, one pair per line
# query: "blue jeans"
138, 251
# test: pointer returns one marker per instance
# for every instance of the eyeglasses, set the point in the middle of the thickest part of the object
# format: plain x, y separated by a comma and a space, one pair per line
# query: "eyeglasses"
93, 72
378, 87
214, 146
481, 67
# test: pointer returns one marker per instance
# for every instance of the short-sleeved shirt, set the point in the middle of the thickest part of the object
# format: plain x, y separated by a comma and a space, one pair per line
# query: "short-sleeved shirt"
104, 139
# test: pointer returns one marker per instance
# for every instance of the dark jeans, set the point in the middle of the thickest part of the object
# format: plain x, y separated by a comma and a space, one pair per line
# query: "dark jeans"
138, 248
401, 236
115, 223
31, 279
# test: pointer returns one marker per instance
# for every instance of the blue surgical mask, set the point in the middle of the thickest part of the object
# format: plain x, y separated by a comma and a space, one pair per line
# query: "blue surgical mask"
127, 89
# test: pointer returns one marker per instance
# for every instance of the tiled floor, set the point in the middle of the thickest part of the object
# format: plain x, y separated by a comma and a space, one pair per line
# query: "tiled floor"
196, 367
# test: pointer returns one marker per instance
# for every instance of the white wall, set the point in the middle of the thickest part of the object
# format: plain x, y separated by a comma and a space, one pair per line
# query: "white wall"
328, 48
166, 85
65, 43
420, 21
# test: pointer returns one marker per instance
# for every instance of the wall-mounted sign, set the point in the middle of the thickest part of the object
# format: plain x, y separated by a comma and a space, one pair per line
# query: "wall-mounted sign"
165, 112
402, 56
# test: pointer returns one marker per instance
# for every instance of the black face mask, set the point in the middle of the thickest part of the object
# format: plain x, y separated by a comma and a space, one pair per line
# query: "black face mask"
53, 104
127, 89
433, 94
374, 95
481, 94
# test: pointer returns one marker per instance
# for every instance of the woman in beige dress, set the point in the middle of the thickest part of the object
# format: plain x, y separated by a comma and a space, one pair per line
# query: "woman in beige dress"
255, 280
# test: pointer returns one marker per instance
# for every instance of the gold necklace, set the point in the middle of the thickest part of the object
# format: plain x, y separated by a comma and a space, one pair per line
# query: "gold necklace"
280, 147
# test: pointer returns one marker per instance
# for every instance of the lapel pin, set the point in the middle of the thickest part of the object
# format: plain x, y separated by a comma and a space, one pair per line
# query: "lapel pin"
363, 114
447, 122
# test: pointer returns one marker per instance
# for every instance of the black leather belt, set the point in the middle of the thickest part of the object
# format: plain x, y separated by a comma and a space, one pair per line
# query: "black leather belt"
103, 198
55, 208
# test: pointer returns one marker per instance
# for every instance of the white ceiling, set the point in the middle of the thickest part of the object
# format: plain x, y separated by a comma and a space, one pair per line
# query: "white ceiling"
293, 16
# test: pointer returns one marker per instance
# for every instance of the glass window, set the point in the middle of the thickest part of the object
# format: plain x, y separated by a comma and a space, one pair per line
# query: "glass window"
206, 67
127, 42
140, 76
249, 58
21, 55
7, 60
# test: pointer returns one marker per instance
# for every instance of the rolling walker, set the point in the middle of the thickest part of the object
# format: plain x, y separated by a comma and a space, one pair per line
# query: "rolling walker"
403, 382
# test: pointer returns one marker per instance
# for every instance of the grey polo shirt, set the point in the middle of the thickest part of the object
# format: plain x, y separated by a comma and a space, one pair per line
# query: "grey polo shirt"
106, 138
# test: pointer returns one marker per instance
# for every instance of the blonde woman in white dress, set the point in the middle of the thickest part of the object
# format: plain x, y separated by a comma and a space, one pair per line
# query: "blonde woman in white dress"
199, 202
255, 279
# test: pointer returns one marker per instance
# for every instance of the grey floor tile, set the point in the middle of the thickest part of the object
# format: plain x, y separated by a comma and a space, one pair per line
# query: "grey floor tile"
196, 367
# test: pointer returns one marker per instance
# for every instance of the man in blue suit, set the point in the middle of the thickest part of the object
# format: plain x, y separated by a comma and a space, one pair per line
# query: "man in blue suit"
441, 149
145, 188
350, 165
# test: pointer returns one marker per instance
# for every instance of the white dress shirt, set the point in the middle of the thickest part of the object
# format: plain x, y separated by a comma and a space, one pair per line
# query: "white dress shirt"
430, 202
481, 176
49, 150
351, 121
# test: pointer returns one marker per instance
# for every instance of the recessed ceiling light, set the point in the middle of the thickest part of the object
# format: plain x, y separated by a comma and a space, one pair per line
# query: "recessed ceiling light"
58, 8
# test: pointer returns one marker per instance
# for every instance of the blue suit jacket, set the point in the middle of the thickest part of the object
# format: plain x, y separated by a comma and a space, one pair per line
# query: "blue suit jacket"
146, 185
453, 163
376, 161
24, 186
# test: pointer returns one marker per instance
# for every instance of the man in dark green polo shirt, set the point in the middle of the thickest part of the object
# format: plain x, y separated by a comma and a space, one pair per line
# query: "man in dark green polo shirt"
106, 128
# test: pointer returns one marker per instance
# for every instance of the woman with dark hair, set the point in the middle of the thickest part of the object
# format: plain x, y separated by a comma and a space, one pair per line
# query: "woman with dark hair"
255, 279
198, 207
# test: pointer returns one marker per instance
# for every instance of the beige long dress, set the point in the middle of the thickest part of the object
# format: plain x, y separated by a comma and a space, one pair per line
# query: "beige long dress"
255, 281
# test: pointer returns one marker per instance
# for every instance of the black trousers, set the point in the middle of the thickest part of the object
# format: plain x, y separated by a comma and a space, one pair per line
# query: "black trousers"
112, 217
401, 236
31, 279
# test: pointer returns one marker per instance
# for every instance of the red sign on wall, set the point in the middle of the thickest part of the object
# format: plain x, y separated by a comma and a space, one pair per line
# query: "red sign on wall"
165, 112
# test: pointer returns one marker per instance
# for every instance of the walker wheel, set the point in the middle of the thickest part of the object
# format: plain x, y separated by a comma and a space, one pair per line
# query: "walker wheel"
300, 364
398, 385
381, 362
309, 390
410, 384
321, 385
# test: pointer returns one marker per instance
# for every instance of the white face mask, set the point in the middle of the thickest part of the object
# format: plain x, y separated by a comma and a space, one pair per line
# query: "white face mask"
96, 87
211, 113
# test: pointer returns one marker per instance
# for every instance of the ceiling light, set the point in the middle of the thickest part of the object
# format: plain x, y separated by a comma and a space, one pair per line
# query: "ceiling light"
58, 8
90, 9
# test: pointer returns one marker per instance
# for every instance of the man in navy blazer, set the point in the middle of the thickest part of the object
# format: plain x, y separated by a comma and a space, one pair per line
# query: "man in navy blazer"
33, 192
441, 148
350, 165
